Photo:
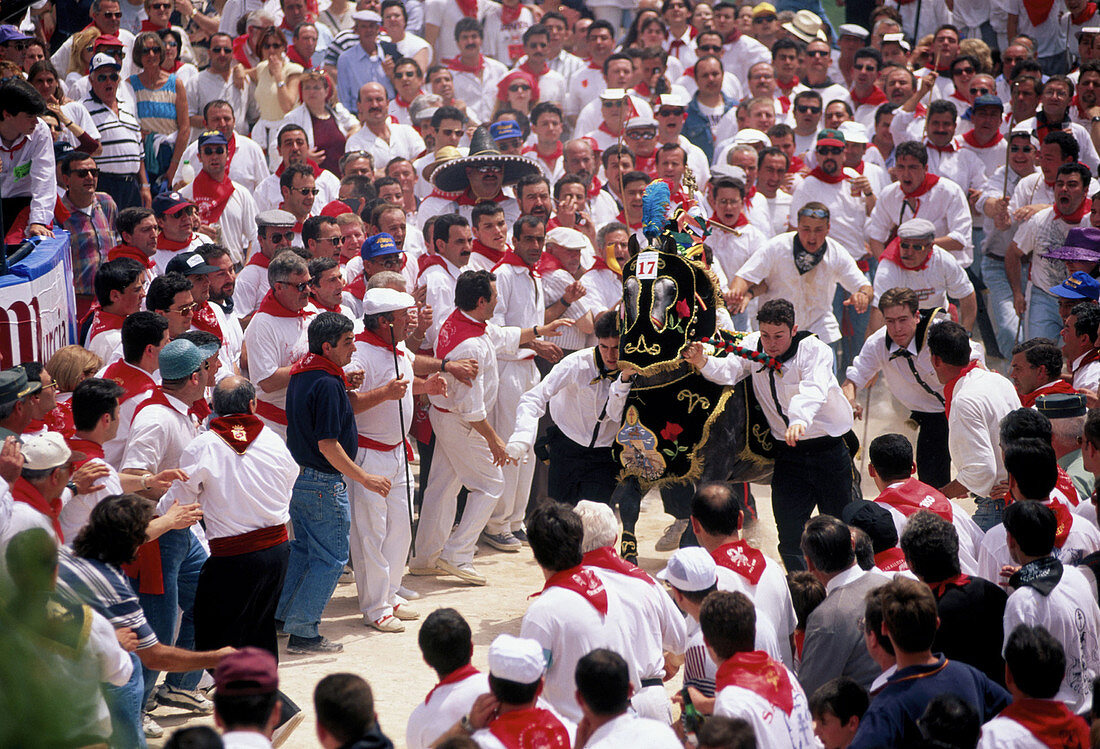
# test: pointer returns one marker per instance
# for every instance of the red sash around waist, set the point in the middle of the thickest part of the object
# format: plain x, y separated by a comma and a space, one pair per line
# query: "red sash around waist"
257, 540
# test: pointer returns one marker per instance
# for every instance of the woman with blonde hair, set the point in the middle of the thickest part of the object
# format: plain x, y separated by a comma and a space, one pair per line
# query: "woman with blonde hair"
69, 367
326, 121
81, 58
978, 49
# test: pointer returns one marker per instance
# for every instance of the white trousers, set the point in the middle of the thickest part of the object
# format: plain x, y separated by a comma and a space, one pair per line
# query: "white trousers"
461, 458
380, 532
516, 378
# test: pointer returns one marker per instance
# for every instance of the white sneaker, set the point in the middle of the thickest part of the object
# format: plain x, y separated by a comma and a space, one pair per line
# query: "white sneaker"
408, 595
464, 571
405, 612
184, 699
150, 727
388, 624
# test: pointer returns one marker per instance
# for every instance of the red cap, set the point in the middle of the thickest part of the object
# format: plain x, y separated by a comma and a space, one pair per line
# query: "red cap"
108, 40
247, 671
336, 208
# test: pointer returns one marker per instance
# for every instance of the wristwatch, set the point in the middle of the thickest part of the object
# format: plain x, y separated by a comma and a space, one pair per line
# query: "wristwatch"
443, 365
466, 725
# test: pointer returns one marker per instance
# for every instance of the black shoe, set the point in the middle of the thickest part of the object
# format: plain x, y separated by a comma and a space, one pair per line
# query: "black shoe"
279, 631
312, 645
629, 547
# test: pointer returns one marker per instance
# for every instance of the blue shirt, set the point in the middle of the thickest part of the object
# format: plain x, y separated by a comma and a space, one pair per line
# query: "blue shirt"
107, 590
355, 67
891, 720
318, 408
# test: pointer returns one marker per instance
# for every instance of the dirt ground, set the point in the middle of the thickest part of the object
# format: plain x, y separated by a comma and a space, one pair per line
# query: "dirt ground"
392, 663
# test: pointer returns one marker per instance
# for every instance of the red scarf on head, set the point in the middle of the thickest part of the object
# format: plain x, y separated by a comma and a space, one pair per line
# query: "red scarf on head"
583, 582
743, 559
204, 319
104, 321
372, 338
315, 362
831, 179
1027, 400
456, 64
949, 388
531, 728
212, 197
468, 8
270, 305
164, 243
891, 560
312, 165
125, 250
972, 141
134, 380
912, 496
876, 97
1077, 216
238, 431
494, 256
757, 672
548, 264
606, 559
260, 260
893, 254
26, 492
1088, 12
455, 329
1050, 722
958, 581
459, 674
1038, 10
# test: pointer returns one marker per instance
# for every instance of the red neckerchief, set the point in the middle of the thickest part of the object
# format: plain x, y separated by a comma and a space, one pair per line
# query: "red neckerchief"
1064, 516
959, 98
548, 264
1037, 12
831, 179
270, 305
892, 252
958, 581
260, 260
786, 86
1090, 357
134, 380
373, 339
912, 496
1050, 722
493, 256
585, 583
1076, 216
91, 449
606, 559
147, 25
749, 195
60, 419
949, 388
322, 306
459, 674
891, 560
175, 67
205, 320
104, 321
876, 97
552, 159
427, 261
594, 189
126, 250
358, 287
468, 198
600, 264
402, 103
238, 431
758, 673
456, 329
456, 64
510, 14
603, 128
294, 55
26, 492
927, 184
164, 243
468, 8
531, 728
733, 36
312, 165
315, 362
1066, 488
621, 218
743, 559
949, 148
972, 141
1027, 400
212, 197
526, 68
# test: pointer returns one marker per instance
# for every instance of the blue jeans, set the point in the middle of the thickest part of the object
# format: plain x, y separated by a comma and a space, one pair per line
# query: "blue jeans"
125, 704
990, 512
999, 303
1043, 320
321, 515
181, 560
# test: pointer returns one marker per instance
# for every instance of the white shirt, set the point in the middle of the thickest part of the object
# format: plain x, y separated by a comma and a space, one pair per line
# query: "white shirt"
740, 55
474, 402
382, 422
1037, 236
1031, 190
591, 116
847, 213
807, 389
232, 341
238, 493
992, 157
1083, 539
442, 708
252, 286
444, 15
874, 357
478, 91
245, 740
269, 194
404, 141
812, 292
980, 400
732, 248
439, 286
1088, 155
769, 215
74, 515
208, 86
629, 730
578, 402
520, 303
113, 449
158, 436
962, 166
554, 284
105, 343
603, 290
161, 258
996, 242
942, 277
932, 17
237, 222
969, 533
504, 42
1086, 377
944, 205
27, 170
772, 599
273, 342
1005, 733
1071, 615
248, 167
773, 728
585, 86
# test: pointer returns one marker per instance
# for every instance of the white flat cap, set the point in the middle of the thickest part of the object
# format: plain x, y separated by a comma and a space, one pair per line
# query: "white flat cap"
854, 29
517, 659
613, 94
854, 132
377, 301
366, 15
750, 136
917, 228
570, 239
690, 569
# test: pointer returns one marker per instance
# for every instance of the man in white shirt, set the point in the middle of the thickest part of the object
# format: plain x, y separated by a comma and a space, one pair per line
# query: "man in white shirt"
475, 75
226, 208
1079, 347
603, 693
247, 163
733, 238
379, 136
223, 81
453, 242
274, 233
207, 316
119, 291
293, 149
975, 402
946, 157
806, 411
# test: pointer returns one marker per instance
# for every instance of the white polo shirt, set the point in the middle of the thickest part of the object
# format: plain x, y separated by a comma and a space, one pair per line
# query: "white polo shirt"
940, 278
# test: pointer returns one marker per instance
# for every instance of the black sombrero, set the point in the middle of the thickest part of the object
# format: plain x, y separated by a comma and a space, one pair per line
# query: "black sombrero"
451, 177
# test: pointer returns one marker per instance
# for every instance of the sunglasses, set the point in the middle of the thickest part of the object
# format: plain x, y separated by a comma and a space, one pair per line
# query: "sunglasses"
979, 91
488, 169
829, 151
161, 6
305, 191
107, 77
334, 240
213, 150
814, 213
186, 309
712, 48
808, 109
273, 45
303, 286
112, 15
867, 68
913, 246
149, 51
222, 50
764, 19
280, 236
1020, 149
405, 74
517, 87
87, 172
641, 134
670, 112
818, 53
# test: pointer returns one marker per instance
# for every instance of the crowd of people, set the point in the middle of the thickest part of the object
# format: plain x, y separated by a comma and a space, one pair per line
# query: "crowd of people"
348, 278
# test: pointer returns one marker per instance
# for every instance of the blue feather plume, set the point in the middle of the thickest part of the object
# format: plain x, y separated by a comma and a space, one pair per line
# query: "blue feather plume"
655, 201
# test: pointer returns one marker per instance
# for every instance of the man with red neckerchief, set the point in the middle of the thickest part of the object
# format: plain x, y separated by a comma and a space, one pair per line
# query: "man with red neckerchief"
293, 148
475, 75
226, 208
877, 524
138, 230
1036, 370
246, 161
733, 239
750, 685
551, 84
144, 334
119, 293
740, 51
209, 317
274, 233
946, 157
40, 491
716, 516
546, 124
587, 82
174, 217
453, 247
490, 230
984, 137
276, 337
1079, 336
865, 93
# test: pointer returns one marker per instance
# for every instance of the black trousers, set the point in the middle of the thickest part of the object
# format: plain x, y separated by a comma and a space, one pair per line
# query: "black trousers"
578, 472
933, 455
813, 473
236, 597
124, 188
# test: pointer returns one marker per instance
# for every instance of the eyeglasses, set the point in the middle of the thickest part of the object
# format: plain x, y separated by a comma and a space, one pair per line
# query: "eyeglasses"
305, 191
273, 45
1020, 149
334, 240
278, 237
807, 109
405, 74
488, 169
641, 134
389, 261
962, 71
87, 172
107, 77
186, 309
867, 68
299, 286
611, 103
150, 51
213, 150
160, 6
829, 150
670, 112
112, 15
764, 19
517, 87
818, 53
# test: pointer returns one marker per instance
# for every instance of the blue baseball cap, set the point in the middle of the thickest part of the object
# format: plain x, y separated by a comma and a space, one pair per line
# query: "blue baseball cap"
169, 203
505, 130
213, 138
1078, 286
180, 358
379, 244
988, 100
9, 33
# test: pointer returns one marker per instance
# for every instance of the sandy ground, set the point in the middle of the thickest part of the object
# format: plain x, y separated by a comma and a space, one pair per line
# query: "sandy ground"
392, 663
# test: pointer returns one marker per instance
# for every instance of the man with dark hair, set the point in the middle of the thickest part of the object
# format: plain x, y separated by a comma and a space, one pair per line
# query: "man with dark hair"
976, 399
603, 692
29, 180
226, 207
834, 643
909, 621
452, 242
1054, 596
1035, 665
490, 233
1036, 369
751, 685
170, 297
447, 646
344, 704
137, 232
1079, 348
838, 706
969, 607
322, 439
806, 412
297, 186
720, 732
475, 75
322, 236
144, 334
175, 217
119, 292
89, 216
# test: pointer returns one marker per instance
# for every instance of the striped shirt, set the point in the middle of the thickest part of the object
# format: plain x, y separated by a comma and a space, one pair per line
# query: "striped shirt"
120, 137
92, 233
156, 107
106, 589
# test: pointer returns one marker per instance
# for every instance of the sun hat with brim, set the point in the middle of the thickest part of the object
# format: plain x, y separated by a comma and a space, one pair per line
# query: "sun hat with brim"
451, 177
806, 25
443, 155
1080, 244
378, 301
853, 29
